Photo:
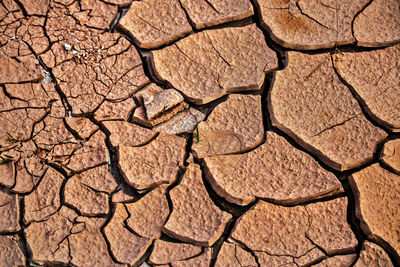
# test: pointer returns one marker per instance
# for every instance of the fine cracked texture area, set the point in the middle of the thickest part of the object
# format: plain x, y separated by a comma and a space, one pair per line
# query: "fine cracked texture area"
379, 24
377, 204
375, 78
302, 24
212, 63
234, 126
311, 104
275, 171
188, 222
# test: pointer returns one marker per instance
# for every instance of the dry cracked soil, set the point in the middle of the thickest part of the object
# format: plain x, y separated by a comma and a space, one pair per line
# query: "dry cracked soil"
200, 133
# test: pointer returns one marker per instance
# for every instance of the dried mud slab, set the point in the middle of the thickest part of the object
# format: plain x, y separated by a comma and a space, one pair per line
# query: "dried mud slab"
206, 13
378, 93
309, 103
148, 214
152, 164
166, 252
11, 254
44, 201
234, 126
212, 63
152, 23
188, 222
115, 110
203, 260
126, 247
9, 210
373, 255
68, 239
378, 24
305, 25
377, 205
7, 171
340, 260
391, 155
128, 134
89, 191
231, 255
275, 170
279, 242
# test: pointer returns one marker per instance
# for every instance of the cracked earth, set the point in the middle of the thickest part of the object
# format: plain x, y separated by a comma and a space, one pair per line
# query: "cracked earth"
199, 133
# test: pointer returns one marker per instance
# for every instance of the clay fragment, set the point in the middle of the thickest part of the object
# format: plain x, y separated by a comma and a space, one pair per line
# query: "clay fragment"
264, 229
9, 210
152, 23
189, 223
183, 122
206, 13
212, 63
152, 164
376, 191
378, 93
311, 104
275, 170
379, 24
166, 252
148, 214
234, 126
126, 247
391, 155
307, 25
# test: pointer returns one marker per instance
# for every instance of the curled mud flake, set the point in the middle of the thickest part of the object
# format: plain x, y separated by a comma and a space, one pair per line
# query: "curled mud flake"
277, 242
153, 23
89, 191
199, 226
378, 24
375, 77
11, 254
9, 210
275, 170
126, 246
323, 114
391, 155
212, 63
206, 13
234, 126
44, 201
167, 252
308, 25
152, 164
148, 215
377, 205
183, 122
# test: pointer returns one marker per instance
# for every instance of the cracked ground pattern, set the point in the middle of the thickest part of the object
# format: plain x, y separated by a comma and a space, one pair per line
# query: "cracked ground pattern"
199, 133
